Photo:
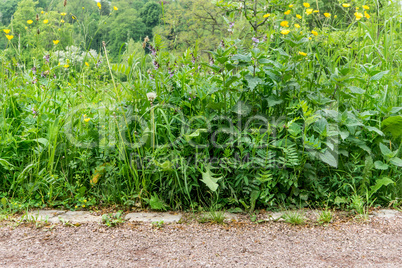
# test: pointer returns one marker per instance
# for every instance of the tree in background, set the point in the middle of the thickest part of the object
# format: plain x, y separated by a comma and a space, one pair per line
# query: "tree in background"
151, 15
186, 22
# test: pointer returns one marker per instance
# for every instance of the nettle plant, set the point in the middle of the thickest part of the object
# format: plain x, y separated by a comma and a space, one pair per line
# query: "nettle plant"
285, 115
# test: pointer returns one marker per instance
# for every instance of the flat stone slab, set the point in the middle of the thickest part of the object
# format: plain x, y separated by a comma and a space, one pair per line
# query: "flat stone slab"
166, 217
275, 216
387, 213
80, 217
54, 216
43, 215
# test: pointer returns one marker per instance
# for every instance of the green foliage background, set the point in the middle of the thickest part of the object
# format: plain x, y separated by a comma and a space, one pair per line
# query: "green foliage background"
72, 110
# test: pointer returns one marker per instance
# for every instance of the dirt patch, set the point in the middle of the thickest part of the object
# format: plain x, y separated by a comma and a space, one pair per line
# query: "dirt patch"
245, 244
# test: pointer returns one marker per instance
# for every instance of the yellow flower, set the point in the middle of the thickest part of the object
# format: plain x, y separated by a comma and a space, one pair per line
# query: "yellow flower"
346, 5
45, 21
298, 16
62, 21
367, 15
285, 23
29, 21
63, 13
309, 38
73, 17
66, 65
316, 11
306, 4
83, 7
7, 31
76, 206
87, 119
302, 54
335, 16
9, 37
291, 5
55, 42
266, 15
85, 201
366, 7
287, 12
99, 5
328, 15
42, 12
357, 8
314, 32
358, 15
26, 27
87, 64
285, 32
83, 206
309, 11
297, 25
115, 8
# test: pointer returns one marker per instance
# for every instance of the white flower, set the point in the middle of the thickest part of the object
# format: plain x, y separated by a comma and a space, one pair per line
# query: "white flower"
151, 96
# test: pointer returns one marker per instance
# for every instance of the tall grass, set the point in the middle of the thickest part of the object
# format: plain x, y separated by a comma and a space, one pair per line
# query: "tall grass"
91, 133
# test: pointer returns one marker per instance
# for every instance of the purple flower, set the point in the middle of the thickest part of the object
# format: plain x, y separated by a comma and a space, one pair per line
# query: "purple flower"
156, 65
33, 70
46, 57
255, 40
98, 63
189, 99
33, 111
153, 50
231, 24
171, 73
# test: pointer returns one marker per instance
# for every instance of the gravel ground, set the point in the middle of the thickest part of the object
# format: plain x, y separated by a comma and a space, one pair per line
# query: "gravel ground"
377, 243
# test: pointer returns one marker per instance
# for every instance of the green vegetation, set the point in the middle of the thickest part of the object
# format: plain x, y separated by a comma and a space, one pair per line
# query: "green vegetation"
195, 103
294, 218
325, 217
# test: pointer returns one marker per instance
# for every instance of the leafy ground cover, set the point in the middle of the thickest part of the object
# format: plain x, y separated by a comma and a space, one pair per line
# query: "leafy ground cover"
298, 104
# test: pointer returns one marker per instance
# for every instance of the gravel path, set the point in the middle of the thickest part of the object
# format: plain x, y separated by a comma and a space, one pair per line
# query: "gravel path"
273, 244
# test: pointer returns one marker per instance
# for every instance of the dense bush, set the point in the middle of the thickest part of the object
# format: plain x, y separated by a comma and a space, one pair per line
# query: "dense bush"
301, 109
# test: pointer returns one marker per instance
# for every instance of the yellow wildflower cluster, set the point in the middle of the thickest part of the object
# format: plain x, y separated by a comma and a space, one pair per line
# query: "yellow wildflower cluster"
8, 36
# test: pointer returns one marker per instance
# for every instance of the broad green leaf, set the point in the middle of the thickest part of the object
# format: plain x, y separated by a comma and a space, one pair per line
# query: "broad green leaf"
386, 151
231, 80
241, 108
396, 161
393, 125
328, 158
43, 141
380, 165
243, 58
378, 76
252, 81
196, 133
376, 130
209, 179
380, 183
4, 201
273, 100
344, 134
356, 90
